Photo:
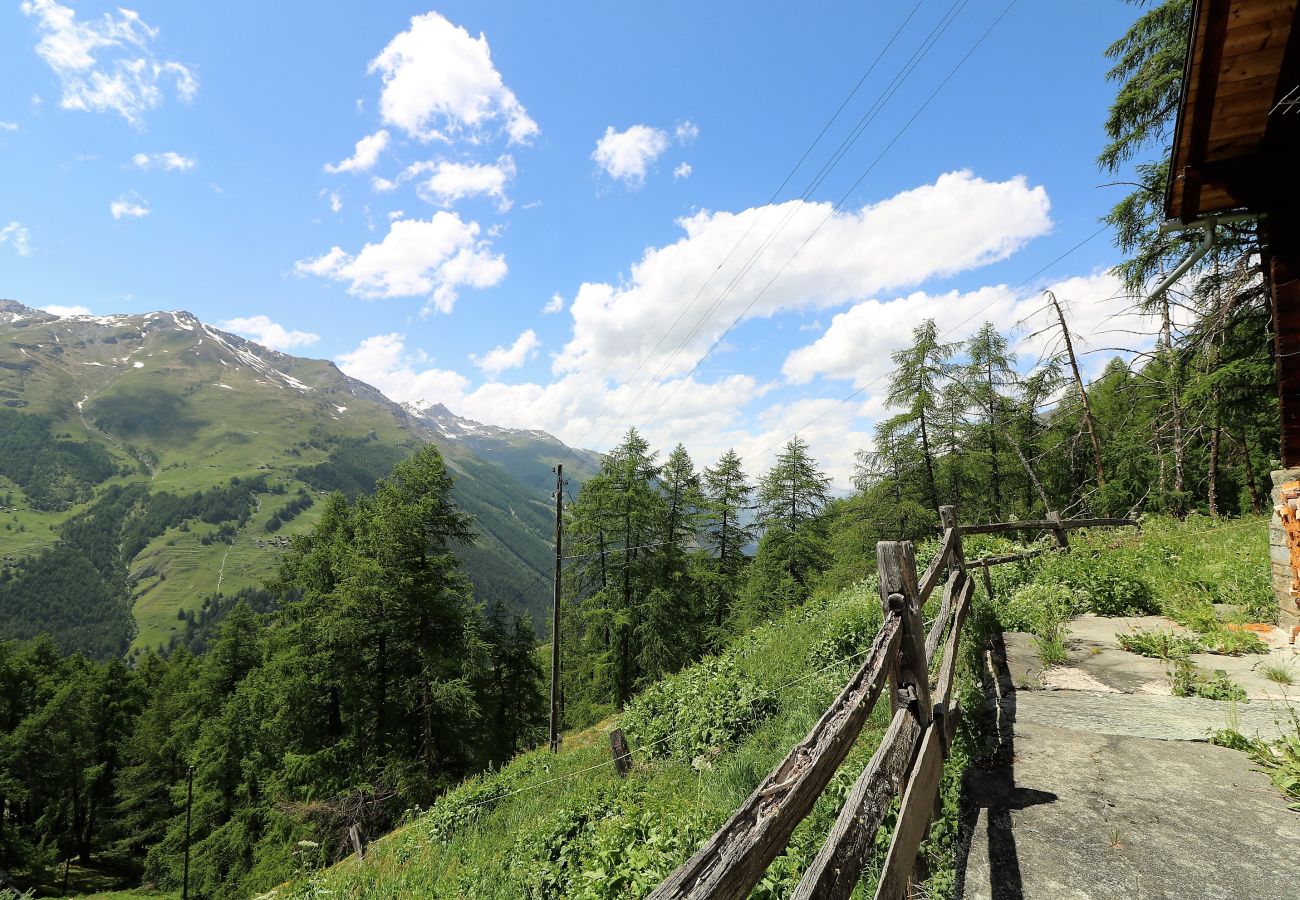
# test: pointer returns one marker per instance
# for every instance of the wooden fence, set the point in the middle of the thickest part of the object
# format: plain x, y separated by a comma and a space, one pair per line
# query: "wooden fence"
909, 761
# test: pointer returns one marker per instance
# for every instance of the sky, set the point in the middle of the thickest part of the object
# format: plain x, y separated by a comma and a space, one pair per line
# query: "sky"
711, 221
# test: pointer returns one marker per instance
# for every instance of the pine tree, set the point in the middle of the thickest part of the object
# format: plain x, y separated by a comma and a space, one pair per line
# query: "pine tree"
727, 532
914, 386
988, 376
791, 497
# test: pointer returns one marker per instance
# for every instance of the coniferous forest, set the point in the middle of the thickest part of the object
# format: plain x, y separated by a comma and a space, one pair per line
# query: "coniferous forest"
366, 679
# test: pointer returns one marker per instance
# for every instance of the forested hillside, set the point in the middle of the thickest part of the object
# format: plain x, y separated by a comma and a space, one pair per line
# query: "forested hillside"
152, 466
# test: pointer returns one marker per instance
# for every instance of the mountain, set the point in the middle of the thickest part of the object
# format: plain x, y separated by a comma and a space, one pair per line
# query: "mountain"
151, 462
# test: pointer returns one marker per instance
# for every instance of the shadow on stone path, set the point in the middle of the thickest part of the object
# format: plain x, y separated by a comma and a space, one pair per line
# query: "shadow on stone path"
1098, 794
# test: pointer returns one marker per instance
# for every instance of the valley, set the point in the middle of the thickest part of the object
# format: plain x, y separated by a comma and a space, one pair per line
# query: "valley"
169, 405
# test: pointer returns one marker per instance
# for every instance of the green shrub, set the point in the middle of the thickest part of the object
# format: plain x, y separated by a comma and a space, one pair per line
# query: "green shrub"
1159, 643
1038, 606
1233, 643
1187, 680
1107, 579
703, 710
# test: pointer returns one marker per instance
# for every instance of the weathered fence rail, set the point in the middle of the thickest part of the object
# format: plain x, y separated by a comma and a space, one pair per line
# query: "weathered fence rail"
909, 761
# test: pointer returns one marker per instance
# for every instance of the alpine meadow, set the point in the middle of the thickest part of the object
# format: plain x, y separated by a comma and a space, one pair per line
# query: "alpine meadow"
675, 452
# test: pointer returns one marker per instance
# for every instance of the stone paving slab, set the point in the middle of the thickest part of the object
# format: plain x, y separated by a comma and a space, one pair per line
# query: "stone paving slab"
1150, 716
1093, 650
1083, 815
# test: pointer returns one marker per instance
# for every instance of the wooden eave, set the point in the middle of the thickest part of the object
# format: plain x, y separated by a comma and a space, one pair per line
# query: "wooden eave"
1234, 133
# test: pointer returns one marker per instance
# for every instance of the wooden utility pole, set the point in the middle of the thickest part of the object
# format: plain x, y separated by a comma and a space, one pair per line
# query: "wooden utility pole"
189, 806
555, 609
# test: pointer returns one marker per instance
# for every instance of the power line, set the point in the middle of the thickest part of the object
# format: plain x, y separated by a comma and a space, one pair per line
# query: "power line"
836, 207
885, 96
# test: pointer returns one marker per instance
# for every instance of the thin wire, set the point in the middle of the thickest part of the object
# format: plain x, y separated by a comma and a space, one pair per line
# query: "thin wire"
645, 747
890, 90
982, 309
842, 200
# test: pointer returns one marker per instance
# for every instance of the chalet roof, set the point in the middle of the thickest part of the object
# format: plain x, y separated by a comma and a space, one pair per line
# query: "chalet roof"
1239, 117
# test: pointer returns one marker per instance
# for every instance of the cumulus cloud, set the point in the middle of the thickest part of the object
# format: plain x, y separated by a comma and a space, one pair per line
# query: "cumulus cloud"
686, 132
365, 155
498, 359
955, 224
554, 305
627, 155
264, 331
16, 235
857, 344
440, 84
8, 126
407, 377
683, 170
449, 182
106, 63
55, 309
128, 208
169, 161
335, 199
433, 259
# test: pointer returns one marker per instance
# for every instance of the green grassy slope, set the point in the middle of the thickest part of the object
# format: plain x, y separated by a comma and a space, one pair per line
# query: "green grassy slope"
567, 826
552, 826
182, 407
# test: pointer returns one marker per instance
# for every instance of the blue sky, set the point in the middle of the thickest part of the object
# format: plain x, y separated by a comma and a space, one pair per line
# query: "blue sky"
549, 215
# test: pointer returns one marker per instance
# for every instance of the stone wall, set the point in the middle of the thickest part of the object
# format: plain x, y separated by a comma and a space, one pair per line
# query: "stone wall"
1280, 555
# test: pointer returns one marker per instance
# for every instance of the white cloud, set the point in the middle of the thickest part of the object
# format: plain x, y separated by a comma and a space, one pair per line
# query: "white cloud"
169, 161
955, 224
858, 342
683, 170
626, 155
449, 182
396, 214
406, 377
431, 258
8, 126
498, 359
106, 63
365, 155
686, 132
335, 200
440, 84
554, 305
16, 235
128, 207
55, 309
268, 333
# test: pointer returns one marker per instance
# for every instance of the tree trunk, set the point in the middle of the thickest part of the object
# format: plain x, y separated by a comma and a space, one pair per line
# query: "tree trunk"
995, 474
1213, 487
929, 465
1083, 393
1250, 474
1175, 407
1029, 470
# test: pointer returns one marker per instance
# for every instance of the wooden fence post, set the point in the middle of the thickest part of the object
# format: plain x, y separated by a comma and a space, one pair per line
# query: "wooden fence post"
948, 519
622, 756
358, 845
1061, 540
910, 675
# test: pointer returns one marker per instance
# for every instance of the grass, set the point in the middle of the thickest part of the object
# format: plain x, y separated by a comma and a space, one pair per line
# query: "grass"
1159, 643
1278, 673
1187, 679
565, 825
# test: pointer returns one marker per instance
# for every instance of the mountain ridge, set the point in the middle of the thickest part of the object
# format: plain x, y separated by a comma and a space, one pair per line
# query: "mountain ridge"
183, 407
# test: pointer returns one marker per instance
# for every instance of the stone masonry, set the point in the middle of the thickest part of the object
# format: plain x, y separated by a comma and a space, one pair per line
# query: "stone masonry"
1284, 553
